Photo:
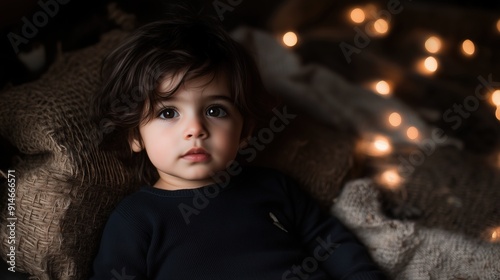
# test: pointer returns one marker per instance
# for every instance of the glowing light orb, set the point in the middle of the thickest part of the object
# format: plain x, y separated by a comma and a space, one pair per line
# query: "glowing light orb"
468, 47
495, 98
390, 178
428, 65
433, 44
381, 26
357, 15
290, 39
495, 235
382, 87
395, 119
382, 145
412, 133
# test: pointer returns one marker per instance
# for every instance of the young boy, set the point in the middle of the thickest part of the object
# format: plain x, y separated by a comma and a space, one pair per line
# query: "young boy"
183, 98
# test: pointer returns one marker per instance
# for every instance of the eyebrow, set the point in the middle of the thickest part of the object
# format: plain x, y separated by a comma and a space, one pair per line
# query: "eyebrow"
173, 97
223, 97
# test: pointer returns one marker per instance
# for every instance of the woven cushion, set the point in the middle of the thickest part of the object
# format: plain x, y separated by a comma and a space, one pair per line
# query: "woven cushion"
66, 186
318, 156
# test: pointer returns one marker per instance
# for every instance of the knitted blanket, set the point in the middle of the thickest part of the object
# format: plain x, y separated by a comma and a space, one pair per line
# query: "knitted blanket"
407, 250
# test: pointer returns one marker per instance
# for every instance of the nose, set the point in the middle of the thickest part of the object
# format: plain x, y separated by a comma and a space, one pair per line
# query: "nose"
195, 128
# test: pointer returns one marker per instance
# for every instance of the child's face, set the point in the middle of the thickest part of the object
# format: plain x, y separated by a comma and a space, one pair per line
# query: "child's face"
195, 133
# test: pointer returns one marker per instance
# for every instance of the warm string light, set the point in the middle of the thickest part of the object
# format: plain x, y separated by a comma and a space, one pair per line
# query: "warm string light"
382, 145
495, 101
428, 65
498, 25
433, 44
395, 119
382, 87
412, 133
381, 26
468, 47
495, 98
290, 39
390, 179
375, 146
378, 26
431, 64
495, 235
357, 15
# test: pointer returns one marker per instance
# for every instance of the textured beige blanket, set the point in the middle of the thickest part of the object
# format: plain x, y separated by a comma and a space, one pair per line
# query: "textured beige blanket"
407, 250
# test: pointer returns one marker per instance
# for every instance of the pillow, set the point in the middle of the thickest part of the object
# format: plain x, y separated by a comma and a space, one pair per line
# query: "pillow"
65, 187
318, 156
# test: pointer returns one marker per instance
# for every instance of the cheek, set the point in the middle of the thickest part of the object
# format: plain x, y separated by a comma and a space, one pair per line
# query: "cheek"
154, 140
228, 134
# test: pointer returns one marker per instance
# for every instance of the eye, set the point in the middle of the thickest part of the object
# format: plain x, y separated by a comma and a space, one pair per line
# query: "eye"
168, 113
216, 111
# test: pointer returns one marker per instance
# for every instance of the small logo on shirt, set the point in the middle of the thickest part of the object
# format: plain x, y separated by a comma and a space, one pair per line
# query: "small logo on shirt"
276, 222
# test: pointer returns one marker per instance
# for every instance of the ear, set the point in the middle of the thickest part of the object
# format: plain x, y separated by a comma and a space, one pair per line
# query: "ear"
136, 145
245, 135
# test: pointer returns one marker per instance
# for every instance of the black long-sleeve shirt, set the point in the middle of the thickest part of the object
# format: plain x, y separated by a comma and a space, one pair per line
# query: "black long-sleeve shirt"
259, 226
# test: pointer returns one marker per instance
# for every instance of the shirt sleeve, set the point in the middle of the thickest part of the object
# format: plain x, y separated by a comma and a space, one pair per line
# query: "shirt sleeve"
122, 251
334, 246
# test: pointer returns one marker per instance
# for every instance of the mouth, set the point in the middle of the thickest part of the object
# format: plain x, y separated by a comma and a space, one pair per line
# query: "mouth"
196, 155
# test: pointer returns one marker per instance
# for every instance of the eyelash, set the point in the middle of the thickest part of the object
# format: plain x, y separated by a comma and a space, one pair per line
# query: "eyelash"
217, 106
221, 107
162, 111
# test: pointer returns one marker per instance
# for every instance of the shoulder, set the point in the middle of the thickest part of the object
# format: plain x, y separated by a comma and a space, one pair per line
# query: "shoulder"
135, 205
135, 211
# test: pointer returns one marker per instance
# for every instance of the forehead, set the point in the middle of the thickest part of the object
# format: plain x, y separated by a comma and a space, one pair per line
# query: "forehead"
212, 83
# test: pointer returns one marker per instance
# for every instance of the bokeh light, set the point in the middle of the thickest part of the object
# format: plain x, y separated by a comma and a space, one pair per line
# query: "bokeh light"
382, 87
390, 179
433, 44
468, 47
412, 133
395, 119
495, 235
428, 65
382, 145
357, 15
374, 145
381, 26
495, 98
290, 39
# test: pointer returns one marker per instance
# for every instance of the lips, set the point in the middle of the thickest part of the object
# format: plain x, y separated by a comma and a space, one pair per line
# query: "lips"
196, 155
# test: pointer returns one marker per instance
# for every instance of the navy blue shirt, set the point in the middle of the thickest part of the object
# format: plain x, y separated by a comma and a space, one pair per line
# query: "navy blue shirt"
257, 225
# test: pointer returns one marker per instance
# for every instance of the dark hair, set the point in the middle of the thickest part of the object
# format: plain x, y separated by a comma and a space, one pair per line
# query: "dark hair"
191, 46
